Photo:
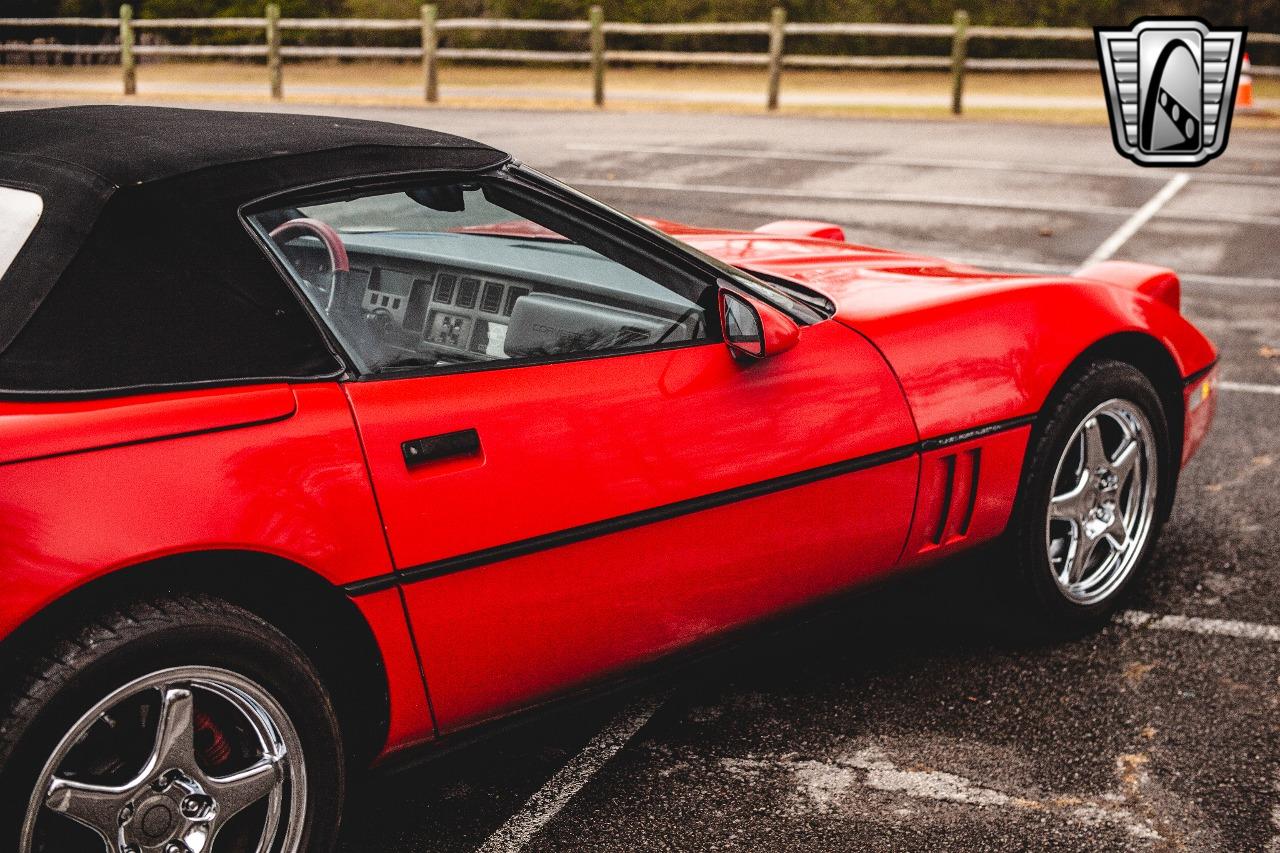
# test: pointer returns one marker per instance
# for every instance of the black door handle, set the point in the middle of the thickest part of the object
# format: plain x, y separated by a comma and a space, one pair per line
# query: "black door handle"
463, 442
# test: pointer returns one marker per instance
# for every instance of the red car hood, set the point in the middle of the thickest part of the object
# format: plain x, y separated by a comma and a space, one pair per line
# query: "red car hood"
847, 273
865, 282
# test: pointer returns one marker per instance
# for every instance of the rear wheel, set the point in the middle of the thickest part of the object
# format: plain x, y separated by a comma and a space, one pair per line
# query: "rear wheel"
1090, 503
184, 725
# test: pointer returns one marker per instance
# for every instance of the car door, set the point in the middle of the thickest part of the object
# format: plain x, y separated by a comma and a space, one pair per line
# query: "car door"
556, 512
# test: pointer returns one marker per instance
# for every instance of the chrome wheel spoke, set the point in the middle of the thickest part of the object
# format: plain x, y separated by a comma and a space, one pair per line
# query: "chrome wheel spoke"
1095, 454
1079, 556
1116, 533
1126, 462
1070, 506
1064, 572
95, 806
175, 746
237, 791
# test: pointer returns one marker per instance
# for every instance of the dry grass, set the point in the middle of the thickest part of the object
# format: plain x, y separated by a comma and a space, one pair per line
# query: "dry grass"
560, 87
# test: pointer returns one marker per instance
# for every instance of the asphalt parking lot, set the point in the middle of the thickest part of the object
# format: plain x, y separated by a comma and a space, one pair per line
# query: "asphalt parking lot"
902, 720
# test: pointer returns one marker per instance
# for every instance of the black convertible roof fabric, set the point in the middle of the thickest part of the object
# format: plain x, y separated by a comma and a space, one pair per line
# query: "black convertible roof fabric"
166, 182
131, 145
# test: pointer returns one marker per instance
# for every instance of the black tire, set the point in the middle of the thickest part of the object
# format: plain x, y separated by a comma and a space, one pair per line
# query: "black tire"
1038, 603
68, 676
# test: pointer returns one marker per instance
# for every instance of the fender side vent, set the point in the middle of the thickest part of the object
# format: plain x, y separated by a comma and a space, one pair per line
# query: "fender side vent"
975, 463
948, 489
959, 487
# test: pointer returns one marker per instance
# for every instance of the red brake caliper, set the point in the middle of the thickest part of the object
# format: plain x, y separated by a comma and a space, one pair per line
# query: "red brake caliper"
210, 742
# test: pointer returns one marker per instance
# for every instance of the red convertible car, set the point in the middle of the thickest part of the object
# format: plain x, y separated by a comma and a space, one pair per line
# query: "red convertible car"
321, 439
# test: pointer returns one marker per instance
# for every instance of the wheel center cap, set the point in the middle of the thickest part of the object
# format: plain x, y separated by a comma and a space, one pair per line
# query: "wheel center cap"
157, 820
175, 807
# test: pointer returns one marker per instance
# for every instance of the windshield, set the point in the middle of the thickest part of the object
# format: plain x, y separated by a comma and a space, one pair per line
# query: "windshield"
800, 303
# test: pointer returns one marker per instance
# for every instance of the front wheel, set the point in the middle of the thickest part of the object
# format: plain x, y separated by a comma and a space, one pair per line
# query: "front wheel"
181, 724
1089, 506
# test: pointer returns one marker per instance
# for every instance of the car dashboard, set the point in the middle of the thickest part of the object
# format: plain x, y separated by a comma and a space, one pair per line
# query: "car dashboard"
452, 308
429, 298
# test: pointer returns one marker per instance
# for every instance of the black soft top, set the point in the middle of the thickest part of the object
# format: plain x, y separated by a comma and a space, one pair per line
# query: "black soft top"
133, 145
163, 186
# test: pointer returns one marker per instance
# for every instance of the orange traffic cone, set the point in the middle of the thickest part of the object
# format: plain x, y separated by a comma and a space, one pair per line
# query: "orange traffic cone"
1244, 92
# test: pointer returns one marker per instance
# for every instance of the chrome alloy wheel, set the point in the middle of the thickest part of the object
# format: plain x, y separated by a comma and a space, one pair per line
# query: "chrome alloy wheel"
178, 761
1103, 502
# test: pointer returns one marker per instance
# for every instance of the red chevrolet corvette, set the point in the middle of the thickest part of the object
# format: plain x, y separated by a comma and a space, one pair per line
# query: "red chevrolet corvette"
321, 439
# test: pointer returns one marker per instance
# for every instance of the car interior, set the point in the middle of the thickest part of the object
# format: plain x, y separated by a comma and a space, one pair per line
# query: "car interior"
445, 275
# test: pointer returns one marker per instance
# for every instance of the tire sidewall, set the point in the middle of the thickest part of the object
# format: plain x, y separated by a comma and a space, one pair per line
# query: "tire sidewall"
235, 641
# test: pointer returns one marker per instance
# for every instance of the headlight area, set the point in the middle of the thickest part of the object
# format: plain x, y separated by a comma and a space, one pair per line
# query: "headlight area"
1200, 402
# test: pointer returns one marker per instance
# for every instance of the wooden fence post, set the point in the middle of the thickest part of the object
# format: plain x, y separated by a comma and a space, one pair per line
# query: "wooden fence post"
430, 41
777, 32
597, 55
128, 64
959, 53
275, 69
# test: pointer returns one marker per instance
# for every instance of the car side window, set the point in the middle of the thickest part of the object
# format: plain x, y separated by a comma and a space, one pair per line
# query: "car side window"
19, 212
441, 275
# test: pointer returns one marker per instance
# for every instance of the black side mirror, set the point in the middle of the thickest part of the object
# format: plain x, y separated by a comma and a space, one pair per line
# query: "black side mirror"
743, 331
754, 329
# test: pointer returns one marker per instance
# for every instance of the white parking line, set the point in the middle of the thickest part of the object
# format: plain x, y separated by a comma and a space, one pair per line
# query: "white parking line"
913, 162
548, 800
1250, 387
1140, 217
1200, 625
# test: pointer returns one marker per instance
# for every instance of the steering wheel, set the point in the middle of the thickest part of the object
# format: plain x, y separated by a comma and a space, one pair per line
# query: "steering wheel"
304, 225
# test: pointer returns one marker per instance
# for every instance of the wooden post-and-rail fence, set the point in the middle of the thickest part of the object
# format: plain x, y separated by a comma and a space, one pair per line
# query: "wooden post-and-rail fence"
597, 56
